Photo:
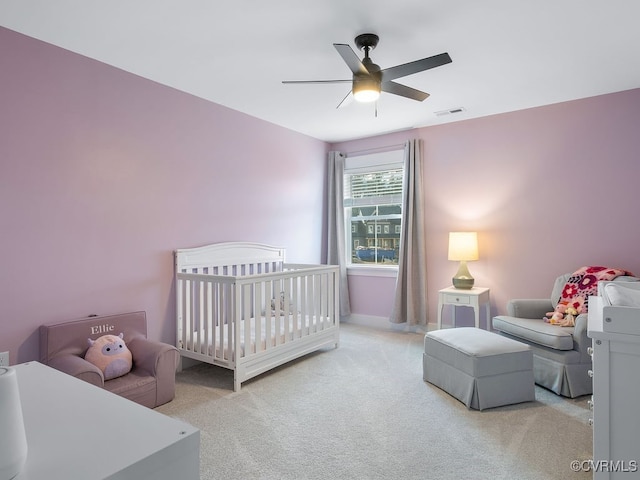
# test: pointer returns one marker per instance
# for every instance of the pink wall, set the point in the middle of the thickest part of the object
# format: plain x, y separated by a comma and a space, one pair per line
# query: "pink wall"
103, 174
548, 189
371, 295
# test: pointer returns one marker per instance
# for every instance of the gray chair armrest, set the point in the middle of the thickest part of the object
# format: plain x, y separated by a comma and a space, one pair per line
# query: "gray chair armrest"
78, 367
529, 308
146, 354
159, 360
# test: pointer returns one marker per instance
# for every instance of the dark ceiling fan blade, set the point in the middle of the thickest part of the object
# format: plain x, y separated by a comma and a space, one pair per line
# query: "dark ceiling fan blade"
317, 81
403, 91
410, 68
351, 59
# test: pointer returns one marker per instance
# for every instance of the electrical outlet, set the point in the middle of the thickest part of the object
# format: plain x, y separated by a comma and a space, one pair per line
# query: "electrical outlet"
4, 359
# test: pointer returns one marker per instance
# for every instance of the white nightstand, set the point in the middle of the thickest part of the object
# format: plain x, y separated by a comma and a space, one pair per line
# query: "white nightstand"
474, 298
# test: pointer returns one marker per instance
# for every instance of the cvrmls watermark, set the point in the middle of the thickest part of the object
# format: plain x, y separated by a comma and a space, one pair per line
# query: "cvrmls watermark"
620, 466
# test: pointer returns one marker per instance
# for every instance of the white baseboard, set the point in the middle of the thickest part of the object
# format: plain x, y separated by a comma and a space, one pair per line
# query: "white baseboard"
383, 323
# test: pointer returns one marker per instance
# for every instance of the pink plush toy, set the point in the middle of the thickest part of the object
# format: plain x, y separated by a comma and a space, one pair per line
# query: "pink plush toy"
563, 315
110, 354
556, 317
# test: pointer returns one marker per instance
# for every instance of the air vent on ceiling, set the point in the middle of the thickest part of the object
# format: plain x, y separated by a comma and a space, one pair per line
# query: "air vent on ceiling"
451, 111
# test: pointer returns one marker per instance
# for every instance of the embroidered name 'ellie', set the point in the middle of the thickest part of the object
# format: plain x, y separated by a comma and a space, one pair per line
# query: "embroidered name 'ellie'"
106, 328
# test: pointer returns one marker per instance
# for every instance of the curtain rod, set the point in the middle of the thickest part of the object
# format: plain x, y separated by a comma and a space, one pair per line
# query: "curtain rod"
387, 148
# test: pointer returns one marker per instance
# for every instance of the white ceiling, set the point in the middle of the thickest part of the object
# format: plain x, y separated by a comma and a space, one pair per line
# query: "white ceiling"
507, 55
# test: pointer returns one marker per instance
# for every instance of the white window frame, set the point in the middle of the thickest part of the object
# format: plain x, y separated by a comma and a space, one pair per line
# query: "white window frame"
388, 160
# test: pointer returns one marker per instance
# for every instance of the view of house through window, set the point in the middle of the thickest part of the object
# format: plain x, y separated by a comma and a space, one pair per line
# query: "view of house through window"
373, 208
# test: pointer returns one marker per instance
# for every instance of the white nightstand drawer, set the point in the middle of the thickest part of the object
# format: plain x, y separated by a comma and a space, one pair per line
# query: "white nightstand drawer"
457, 299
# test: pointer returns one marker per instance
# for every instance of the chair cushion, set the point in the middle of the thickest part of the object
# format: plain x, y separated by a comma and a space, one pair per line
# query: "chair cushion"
136, 386
536, 330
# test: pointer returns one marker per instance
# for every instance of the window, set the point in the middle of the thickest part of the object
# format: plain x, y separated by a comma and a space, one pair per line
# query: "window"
373, 208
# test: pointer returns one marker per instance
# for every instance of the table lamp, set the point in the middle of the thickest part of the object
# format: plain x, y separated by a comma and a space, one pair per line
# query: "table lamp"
463, 247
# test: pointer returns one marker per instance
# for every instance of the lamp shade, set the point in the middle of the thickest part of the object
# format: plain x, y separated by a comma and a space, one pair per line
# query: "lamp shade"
463, 246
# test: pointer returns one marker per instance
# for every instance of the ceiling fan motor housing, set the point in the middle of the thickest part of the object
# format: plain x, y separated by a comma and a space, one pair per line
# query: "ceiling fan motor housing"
366, 87
367, 40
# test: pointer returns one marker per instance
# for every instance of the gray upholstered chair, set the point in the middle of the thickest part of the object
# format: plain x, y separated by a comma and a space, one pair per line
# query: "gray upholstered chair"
151, 381
560, 358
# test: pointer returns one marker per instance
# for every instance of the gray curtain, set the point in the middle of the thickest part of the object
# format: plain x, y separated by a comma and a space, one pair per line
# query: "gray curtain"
410, 304
335, 228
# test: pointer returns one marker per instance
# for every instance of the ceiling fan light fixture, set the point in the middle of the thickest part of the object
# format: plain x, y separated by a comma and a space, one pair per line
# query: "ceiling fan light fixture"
366, 90
369, 80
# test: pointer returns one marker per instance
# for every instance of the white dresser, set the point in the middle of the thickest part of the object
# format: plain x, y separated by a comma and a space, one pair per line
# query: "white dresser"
79, 431
616, 390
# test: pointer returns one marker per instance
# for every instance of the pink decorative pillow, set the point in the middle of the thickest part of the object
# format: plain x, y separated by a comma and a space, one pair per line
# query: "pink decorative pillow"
110, 354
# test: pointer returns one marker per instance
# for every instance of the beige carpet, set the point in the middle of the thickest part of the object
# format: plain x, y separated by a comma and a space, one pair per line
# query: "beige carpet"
362, 411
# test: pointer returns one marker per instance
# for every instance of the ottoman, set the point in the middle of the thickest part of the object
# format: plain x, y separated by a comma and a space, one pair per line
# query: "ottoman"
479, 368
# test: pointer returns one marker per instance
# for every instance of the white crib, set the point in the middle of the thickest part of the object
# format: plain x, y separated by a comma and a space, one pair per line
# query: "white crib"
241, 307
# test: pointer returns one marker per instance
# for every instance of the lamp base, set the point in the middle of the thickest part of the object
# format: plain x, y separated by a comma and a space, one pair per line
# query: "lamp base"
463, 279
463, 283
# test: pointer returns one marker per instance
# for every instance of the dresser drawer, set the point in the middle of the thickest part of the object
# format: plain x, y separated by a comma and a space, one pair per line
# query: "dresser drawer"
457, 299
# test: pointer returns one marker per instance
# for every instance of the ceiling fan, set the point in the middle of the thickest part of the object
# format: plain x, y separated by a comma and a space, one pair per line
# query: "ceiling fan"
369, 80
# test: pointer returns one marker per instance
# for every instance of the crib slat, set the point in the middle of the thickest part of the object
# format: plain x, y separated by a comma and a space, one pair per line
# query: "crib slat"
187, 315
277, 313
255, 314
179, 313
319, 303
246, 319
312, 313
330, 298
207, 316
198, 316
233, 323
221, 321
287, 315
296, 305
316, 302
266, 332
217, 315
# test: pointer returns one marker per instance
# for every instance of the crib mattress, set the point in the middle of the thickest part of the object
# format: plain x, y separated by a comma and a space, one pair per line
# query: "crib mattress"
273, 331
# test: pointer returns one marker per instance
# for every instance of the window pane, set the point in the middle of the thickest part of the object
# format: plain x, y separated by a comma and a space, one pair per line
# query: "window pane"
373, 210
375, 234
374, 184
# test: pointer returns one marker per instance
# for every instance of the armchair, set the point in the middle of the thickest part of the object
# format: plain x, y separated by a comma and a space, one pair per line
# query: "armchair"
560, 358
151, 381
